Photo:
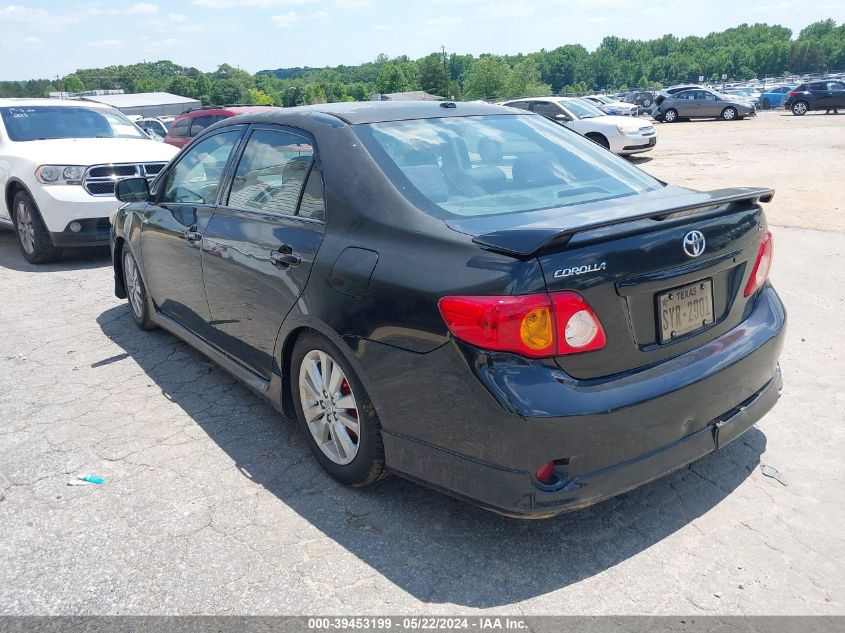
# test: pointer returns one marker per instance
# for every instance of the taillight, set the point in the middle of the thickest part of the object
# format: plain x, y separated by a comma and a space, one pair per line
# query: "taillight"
762, 265
792, 93
537, 326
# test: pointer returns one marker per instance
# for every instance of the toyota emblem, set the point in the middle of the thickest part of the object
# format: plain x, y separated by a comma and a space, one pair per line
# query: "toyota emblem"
694, 243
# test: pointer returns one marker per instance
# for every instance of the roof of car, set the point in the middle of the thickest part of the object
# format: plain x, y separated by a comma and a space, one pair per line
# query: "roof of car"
17, 102
235, 109
356, 112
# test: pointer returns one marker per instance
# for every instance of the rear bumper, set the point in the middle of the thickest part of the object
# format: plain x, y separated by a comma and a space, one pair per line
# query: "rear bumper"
485, 422
516, 493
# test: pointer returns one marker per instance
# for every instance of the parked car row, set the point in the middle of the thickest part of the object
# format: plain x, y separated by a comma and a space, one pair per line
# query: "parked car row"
287, 245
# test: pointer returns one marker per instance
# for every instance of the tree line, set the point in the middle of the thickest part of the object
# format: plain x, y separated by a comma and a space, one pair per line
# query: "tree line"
743, 52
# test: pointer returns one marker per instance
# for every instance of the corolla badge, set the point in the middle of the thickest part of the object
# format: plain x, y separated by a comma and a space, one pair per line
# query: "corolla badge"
694, 243
580, 270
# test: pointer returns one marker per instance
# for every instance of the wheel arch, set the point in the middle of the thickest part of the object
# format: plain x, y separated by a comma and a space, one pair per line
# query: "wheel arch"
298, 325
599, 139
13, 186
117, 264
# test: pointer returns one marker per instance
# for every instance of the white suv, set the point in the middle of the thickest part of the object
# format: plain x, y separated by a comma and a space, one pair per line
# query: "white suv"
59, 161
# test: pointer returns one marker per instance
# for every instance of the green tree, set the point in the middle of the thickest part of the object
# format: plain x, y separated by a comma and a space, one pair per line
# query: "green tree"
487, 79
73, 83
433, 75
183, 86
226, 91
524, 81
391, 78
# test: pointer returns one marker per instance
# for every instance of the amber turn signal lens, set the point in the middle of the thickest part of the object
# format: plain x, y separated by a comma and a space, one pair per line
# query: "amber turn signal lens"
537, 331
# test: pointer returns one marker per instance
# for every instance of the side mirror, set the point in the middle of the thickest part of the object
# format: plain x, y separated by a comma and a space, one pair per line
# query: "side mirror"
132, 190
562, 118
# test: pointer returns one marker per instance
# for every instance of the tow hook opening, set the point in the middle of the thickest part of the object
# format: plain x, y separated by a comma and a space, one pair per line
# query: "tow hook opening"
549, 475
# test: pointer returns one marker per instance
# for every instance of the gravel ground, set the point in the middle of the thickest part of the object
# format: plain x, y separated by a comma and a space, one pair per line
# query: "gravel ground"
212, 504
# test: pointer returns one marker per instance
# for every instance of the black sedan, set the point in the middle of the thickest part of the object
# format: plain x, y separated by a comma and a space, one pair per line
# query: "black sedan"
826, 94
466, 295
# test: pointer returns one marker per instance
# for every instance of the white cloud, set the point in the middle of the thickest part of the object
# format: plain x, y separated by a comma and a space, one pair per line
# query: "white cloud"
142, 8
103, 43
353, 4
503, 10
444, 20
176, 18
36, 18
381, 27
292, 17
32, 40
258, 4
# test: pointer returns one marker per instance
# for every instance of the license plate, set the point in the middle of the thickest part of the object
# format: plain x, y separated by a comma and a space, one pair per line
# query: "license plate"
685, 309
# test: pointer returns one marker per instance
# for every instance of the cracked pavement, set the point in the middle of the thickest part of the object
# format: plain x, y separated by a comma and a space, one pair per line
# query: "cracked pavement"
212, 503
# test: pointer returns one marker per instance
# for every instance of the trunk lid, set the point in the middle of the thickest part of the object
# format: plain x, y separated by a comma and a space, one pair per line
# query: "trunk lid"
628, 259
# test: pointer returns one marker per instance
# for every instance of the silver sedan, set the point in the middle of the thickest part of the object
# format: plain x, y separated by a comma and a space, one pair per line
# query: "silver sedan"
700, 103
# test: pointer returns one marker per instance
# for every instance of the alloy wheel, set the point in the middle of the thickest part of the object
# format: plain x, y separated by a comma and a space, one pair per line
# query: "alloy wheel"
329, 407
26, 229
729, 114
670, 116
133, 284
799, 108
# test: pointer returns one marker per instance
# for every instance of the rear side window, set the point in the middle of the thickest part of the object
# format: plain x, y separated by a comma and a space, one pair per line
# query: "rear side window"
522, 105
313, 205
497, 164
181, 128
547, 109
199, 124
272, 172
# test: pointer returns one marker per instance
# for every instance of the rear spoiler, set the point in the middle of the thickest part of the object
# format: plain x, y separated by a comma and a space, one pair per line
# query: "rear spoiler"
559, 228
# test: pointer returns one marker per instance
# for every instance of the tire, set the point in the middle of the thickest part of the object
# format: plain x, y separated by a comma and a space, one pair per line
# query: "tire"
136, 291
729, 114
599, 139
32, 236
646, 102
800, 108
349, 447
766, 104
670, 116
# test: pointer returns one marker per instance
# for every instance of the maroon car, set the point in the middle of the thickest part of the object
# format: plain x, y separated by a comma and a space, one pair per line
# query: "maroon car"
188, 124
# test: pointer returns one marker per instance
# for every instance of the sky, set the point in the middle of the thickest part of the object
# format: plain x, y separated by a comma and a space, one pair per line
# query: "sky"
43, 39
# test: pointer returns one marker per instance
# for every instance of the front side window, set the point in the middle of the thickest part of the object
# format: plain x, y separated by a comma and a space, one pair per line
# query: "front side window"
271, 172
582, 109
497, 164
35, 123
196, 177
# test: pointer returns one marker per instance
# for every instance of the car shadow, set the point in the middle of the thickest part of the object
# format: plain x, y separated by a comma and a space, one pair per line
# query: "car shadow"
639, 160
69, 259
438, 549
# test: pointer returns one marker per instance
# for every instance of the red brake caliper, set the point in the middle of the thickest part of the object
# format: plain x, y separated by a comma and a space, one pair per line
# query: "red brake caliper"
345, 390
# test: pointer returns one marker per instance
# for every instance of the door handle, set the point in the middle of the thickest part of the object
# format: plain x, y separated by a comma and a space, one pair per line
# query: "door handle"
285, 257
192, 235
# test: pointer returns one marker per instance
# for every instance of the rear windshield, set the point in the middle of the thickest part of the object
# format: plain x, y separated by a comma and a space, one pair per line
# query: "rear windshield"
34, 123
497, 164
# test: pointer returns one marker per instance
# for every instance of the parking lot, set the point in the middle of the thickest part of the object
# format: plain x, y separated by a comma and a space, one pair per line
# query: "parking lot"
212, 503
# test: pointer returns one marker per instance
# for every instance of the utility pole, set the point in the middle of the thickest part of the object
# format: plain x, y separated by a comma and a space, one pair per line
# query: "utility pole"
445, 70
